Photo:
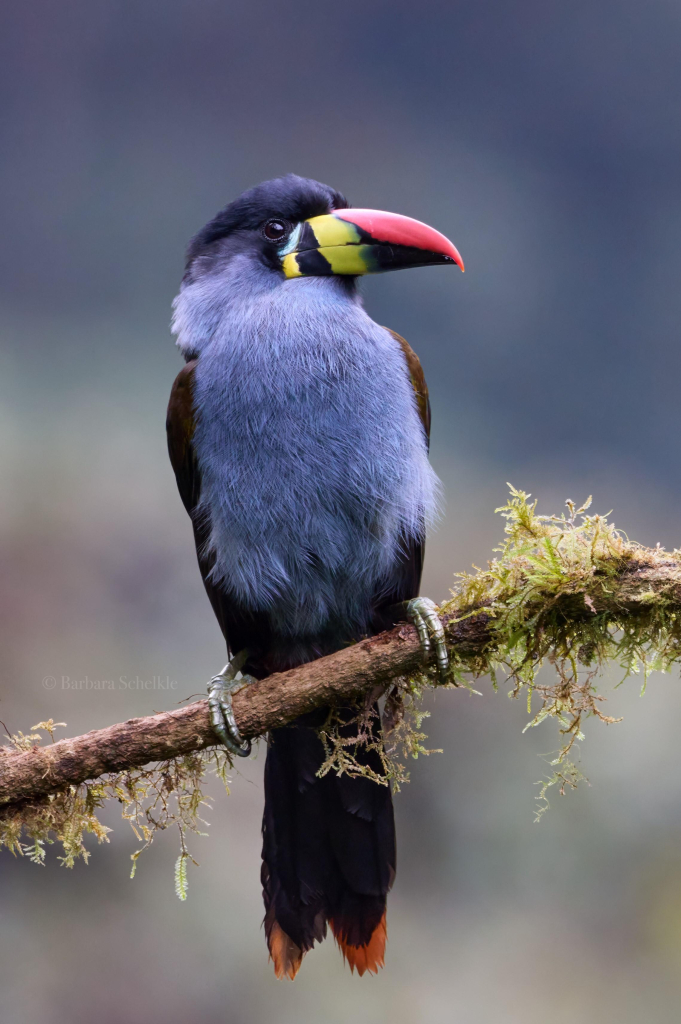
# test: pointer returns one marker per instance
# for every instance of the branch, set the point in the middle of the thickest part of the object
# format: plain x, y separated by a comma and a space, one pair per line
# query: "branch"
571, 591
272, 702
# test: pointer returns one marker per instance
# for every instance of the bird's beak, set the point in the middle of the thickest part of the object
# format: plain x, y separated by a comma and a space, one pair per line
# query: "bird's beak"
354, 242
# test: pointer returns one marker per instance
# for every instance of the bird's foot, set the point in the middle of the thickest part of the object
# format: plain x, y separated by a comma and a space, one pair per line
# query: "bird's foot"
423, 615
221, 689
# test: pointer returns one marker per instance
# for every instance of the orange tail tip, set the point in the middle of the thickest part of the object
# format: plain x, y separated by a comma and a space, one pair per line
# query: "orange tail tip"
365, 958
287, 957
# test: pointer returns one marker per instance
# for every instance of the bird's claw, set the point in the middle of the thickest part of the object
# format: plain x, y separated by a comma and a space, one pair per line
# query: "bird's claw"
423, 614
221, 689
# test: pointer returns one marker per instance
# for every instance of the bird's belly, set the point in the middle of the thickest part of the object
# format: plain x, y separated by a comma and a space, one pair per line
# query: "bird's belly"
309, 537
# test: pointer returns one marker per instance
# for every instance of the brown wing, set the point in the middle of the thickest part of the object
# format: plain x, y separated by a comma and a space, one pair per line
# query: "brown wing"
418, 381
406, 578
180, 426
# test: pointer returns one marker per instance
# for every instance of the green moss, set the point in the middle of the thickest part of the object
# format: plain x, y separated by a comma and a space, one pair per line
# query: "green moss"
573, 592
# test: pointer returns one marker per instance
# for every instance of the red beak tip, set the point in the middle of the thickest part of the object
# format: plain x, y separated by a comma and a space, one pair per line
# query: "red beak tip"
455, 255
400, 230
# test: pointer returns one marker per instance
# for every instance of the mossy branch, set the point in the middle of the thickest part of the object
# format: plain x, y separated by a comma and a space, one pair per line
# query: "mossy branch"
571, 590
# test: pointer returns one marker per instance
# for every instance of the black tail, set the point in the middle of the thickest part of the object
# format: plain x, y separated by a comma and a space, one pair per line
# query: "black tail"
328, 852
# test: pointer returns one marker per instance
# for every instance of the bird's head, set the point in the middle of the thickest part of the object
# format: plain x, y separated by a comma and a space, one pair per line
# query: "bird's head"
295, 227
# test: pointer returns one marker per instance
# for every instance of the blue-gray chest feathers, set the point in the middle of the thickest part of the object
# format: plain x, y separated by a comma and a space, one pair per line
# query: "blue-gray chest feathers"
313, 459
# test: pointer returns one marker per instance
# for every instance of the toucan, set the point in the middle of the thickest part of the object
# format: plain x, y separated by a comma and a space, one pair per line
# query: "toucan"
298, 431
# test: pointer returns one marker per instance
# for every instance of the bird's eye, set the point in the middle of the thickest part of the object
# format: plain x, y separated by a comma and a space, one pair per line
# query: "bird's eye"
276, 230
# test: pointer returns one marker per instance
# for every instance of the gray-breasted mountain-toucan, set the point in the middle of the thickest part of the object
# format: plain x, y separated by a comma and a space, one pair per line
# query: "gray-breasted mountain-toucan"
298, 431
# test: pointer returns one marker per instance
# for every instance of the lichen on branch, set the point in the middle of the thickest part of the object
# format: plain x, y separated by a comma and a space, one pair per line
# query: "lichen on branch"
152, 799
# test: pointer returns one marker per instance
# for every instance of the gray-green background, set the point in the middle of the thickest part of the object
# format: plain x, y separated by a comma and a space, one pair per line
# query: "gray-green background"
545, 139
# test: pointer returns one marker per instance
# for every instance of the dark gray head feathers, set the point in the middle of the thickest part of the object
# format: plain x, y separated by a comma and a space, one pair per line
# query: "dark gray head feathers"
290, 198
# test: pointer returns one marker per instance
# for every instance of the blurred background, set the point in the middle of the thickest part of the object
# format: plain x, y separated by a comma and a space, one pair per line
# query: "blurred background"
545, 139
